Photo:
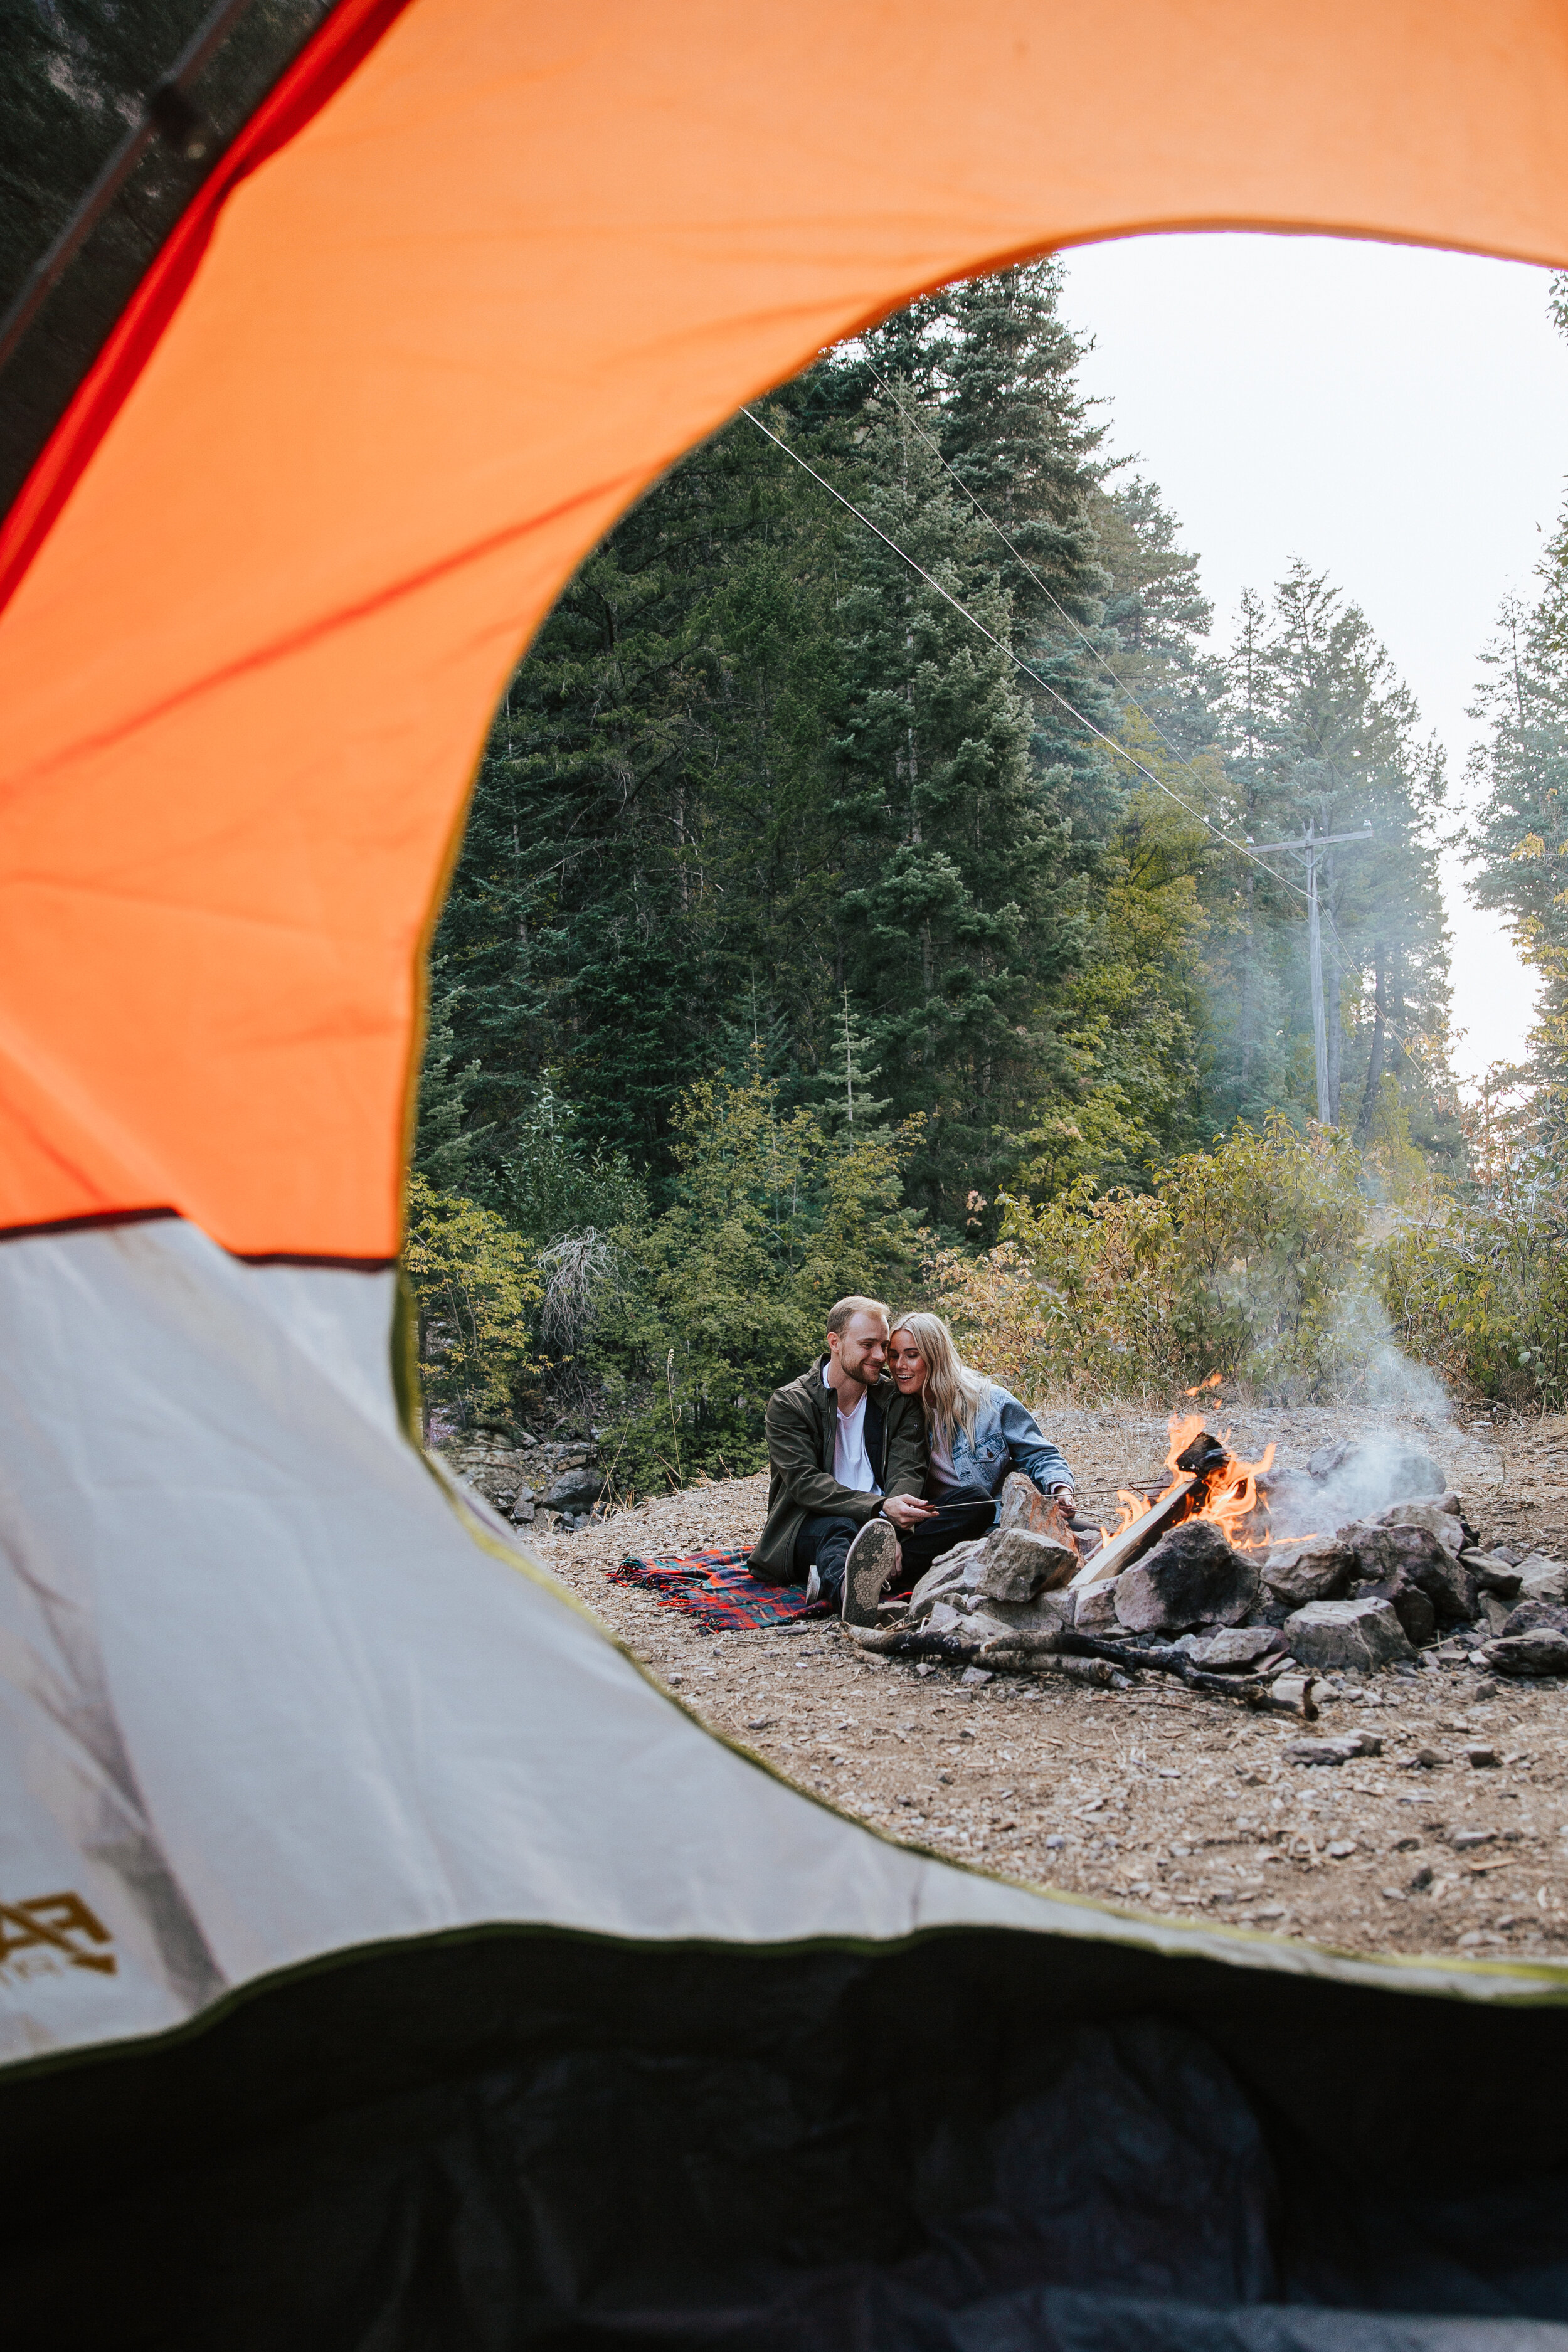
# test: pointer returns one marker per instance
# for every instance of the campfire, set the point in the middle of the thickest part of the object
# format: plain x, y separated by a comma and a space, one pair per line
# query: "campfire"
1208, 1481
1199, 1580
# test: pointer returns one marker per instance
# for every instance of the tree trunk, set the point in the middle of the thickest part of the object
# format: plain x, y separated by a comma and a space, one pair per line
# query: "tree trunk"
1375, 1058
1333, 1004
1247, 986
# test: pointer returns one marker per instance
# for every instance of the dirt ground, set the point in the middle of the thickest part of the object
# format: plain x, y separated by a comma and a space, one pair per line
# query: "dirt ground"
1151, 1799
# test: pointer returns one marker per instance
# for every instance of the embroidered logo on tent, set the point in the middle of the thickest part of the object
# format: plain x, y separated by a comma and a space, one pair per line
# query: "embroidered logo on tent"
51, 1932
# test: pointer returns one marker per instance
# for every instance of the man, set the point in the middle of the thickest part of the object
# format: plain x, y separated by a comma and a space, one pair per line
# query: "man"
847, 1457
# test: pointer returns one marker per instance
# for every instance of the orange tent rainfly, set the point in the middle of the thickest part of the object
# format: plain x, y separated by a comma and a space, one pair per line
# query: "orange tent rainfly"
426, 1974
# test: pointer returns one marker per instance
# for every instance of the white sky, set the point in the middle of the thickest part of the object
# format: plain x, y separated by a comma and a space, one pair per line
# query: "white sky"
1397, 418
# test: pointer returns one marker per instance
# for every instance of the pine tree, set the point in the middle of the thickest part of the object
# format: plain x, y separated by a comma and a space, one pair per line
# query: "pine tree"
445, 1146
945, 848
1334, 742
848, 1108
1517, 843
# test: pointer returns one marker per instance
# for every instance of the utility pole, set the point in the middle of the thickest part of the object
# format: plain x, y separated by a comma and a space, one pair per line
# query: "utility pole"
1310, 847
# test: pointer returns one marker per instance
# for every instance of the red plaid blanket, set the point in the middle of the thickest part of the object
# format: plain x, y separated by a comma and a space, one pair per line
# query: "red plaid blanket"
714, 1586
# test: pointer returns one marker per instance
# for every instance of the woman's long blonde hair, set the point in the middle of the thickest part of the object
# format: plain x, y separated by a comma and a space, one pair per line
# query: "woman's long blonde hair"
954, 1390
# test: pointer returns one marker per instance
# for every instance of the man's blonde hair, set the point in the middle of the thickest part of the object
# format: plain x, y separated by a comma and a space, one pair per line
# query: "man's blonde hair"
953, 1390
840, 1316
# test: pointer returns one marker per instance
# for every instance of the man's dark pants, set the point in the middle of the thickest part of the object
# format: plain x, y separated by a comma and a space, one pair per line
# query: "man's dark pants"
824, 1542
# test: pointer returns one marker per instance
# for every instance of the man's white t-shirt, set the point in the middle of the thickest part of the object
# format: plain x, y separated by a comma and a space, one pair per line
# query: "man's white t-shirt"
850, 1466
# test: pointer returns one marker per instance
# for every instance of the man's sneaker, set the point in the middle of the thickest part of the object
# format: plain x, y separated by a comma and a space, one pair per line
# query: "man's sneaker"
872, 1560
813, 1586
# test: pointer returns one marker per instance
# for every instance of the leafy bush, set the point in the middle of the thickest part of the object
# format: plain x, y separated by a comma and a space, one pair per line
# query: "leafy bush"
1480, 1287
547, 1185
1245, 1261
475, 1288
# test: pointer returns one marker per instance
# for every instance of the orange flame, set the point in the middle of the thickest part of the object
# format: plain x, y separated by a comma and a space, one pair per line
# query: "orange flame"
1233, 1497
1212, 1381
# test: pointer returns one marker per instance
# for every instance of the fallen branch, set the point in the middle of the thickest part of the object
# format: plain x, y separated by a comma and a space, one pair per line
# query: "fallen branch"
1011, 1654
1164, 1660
1074, 1655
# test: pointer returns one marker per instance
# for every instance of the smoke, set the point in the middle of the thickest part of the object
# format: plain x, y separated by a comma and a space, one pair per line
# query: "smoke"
1346, 1482
1373, 1369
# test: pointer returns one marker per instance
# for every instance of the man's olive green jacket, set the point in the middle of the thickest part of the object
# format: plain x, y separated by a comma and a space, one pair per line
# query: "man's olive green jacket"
803, 1430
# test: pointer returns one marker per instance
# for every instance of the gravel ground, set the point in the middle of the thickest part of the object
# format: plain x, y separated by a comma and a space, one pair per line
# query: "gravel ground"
1152, 1799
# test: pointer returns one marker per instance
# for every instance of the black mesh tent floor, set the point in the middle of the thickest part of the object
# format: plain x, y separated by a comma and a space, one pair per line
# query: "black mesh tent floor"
983, 2141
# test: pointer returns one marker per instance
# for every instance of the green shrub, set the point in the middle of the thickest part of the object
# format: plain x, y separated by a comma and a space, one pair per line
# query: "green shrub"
475, 1289
1246, 1260
1480, 1287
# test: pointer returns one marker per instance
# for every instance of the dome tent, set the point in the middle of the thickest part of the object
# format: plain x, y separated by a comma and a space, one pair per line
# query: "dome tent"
385, 1960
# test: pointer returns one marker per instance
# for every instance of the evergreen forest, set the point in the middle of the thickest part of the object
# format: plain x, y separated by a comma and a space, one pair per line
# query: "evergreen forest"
857, 894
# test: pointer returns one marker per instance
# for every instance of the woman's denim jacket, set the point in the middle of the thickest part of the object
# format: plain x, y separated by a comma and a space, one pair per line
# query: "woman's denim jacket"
1007, 1438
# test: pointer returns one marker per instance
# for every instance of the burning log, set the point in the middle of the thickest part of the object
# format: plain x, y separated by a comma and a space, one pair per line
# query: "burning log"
1120, 1552
1208, 1481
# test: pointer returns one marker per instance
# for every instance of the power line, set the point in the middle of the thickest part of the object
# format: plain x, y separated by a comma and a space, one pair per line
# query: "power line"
1243, 849
1017, 660
1018, 557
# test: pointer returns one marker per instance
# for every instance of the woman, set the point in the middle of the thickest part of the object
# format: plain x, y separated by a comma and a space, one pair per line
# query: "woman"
980, 1437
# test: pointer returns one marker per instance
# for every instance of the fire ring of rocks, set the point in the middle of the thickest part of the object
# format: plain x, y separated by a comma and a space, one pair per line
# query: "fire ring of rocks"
1241, 1581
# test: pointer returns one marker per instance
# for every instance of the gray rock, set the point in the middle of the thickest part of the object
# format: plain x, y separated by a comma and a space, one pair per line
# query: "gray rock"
1530, 1614
1417, 1618
1382, 1552
1048, 1612
1094, 1609
1495, 1613
1018, 1564
1333, 1751
1192, 1577
1492, 1574
1415, 1510
1238, 1646
575, 1490
1363, 1635
1541, 1651
1024, 1506
1446, 1526
972, 1625
958, 1571
1541, 1578
1317, 1567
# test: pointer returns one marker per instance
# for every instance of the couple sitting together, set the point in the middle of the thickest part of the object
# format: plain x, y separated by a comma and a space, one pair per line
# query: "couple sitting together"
886, 1454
